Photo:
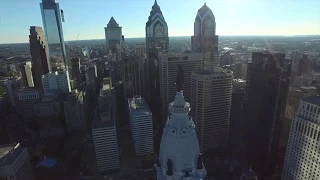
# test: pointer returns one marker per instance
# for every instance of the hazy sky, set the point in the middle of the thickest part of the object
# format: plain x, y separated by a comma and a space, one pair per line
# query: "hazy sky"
233, 17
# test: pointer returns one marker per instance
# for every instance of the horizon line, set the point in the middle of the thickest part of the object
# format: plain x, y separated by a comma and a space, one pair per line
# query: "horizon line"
187, 36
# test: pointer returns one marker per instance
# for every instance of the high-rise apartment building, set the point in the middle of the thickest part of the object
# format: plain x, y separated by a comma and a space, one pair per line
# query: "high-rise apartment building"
74, 111
39, 55
57, 82
105, 142
27, 97
131, 75
168, 66
157, 41
48, 115
15, 163
266, 92
26, 74
11, 86
302, 156
52, 17
211, 92
141, 126
205, 39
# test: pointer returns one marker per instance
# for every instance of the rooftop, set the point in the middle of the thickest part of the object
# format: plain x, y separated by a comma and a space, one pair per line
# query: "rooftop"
313, 99
138, 106
9, 153
216, 70
103, 117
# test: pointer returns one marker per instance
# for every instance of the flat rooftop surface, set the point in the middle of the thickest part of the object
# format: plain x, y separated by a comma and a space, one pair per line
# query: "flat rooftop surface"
138, 107
7, 157
103, 118
313, 99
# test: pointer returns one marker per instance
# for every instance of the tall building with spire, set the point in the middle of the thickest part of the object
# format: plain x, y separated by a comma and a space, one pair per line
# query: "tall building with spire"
205, 39
179, 156
157, 41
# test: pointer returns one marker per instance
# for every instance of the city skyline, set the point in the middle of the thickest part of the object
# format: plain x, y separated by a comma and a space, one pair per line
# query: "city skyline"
234, 17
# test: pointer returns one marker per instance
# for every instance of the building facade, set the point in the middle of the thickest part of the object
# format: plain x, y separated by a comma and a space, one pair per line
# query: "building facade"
302, 156
211, 92
56, 82
105, 142
27, 97
39, 55
132, 75
168, 65
92, 77
74, 111
52, 17
265, 99
141, 126
11, 86
26, 74
205, 39
15, 163
107, 95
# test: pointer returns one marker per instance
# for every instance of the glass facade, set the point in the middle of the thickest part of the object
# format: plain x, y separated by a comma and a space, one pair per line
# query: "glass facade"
51, 17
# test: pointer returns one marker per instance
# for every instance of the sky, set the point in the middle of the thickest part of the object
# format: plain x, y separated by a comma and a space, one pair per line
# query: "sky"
233, 17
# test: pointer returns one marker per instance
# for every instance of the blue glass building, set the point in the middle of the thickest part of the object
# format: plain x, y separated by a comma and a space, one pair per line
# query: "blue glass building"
51, 17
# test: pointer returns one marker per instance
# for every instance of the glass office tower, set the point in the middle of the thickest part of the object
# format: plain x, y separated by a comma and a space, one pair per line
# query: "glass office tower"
51, 17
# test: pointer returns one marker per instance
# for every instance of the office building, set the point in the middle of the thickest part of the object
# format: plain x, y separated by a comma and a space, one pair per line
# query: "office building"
15, 163
91, 77
26, 74
304, 65
302, 156
168, 66
105, 142
179, 156
236, 115
264, 108
141, 126
48, 116
131, 75
211, 92
295, 58
74, 111
140, 50
56, 82
11, 86
107, 95
75, 70
114, 43
157, 41
39, 55
27, 97
205, 39
52, 17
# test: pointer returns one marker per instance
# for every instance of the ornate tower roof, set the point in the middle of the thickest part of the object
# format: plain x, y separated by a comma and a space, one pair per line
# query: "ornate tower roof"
204, 11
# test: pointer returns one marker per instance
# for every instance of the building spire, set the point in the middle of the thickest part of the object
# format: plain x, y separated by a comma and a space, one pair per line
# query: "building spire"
155, 2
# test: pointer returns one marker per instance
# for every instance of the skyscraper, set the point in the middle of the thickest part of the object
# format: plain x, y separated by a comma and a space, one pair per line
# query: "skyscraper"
91, 77
11, 85
264, 103
57, 82
27, 97
52, 18
141, 126
15, 162
210, 106
157, 41
205, 39
26, 74
131, 75
105, 139
40, 58
168, 65
302, 156
74, 111
179, 156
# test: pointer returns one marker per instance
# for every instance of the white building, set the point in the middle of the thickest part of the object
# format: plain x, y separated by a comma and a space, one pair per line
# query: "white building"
179, 156
57, 81
211, 103
302, 159
15, 163
11, 85
168, 65
105, 142
141, 126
